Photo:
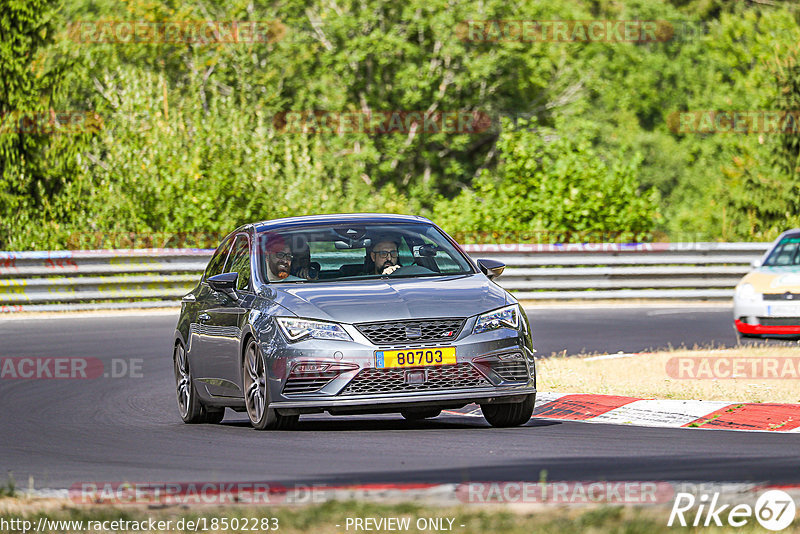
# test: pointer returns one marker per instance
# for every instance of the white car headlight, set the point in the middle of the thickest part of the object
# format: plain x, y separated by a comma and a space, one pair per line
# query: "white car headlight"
746, 292
507, 317
297, 329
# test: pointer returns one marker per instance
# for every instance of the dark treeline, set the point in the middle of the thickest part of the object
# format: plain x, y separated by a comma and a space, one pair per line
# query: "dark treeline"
681, 129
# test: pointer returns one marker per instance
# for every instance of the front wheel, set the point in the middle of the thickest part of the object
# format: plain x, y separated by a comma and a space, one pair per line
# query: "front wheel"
256, 394
511, 414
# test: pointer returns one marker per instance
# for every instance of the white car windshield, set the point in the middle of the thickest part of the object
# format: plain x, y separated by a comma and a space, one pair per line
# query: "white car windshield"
785, 253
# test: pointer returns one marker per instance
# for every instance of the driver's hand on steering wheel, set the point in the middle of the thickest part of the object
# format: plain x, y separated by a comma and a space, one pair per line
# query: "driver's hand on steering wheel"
390, 269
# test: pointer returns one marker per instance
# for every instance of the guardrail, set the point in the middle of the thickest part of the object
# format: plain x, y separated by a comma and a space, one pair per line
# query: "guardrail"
45, 281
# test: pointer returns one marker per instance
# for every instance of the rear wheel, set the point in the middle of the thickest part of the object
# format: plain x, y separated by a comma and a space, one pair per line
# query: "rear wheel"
416, 415
511, 414
256, 394
191, 409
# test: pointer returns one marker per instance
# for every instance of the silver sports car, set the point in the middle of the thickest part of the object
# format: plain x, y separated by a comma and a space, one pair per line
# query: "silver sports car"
350, 314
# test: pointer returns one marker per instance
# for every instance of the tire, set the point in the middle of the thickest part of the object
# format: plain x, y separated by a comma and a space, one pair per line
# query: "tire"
256, 393
419, 414
192, 411
512, 414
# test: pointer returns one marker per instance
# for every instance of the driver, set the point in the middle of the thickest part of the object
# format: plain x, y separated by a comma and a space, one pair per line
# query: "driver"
384, 256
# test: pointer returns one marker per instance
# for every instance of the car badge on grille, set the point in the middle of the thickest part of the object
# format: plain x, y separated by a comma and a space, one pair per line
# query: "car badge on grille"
788, 295
413, 332
449, 333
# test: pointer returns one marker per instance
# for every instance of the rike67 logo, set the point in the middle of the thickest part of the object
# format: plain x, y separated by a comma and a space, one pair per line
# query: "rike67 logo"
774, 510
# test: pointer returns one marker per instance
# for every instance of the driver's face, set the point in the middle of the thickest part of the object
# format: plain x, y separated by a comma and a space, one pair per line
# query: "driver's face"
280, 261
384, 255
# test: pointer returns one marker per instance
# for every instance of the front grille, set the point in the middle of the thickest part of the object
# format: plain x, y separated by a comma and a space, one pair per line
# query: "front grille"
782, 296
458, 376
307, 383
514, 371
779, 321
412, 331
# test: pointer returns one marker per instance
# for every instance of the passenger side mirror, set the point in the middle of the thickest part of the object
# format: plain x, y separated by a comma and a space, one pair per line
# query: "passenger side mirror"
491, 268
225, 283
755, 264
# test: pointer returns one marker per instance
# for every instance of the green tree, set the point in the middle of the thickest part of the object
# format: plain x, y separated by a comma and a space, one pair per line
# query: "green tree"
551, 186
34, 164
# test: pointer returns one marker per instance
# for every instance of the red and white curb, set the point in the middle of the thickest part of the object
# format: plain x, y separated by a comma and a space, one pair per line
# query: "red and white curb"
614, 409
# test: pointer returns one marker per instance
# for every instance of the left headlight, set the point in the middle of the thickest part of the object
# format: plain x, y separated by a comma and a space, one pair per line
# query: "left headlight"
297, 329
507, 317
746, 292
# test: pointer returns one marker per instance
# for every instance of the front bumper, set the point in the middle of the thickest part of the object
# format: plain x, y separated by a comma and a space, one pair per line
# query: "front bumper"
766, 317
454, 399
766, 330
492, 367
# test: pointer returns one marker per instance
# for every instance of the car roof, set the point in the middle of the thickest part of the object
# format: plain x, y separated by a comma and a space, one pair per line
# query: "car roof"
338, 218
794, 232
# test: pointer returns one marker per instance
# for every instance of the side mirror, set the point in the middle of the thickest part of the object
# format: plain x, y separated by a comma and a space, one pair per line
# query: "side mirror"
755, 264
224, 283
491, 268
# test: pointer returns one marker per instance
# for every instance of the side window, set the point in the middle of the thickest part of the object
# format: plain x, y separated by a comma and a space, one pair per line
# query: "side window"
218, 260
239, 262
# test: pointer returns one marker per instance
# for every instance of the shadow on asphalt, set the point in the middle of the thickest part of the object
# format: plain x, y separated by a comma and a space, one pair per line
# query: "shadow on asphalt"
369, 424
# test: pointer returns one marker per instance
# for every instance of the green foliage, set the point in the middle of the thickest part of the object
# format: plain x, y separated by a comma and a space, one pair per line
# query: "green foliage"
189, 141
9, 489
552, 186
34, 164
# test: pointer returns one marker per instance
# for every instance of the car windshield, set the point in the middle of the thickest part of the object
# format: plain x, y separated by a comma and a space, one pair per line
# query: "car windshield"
785, 253
360, 251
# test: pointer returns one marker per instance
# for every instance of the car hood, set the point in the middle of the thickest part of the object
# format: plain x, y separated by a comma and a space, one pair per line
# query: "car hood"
774, 279
360, 301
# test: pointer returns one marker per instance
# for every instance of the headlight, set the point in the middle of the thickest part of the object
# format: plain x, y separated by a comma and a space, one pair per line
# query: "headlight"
297, 329
507, 317
746, 292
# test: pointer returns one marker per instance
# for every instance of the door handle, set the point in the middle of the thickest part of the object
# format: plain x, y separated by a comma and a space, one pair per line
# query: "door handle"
203, 317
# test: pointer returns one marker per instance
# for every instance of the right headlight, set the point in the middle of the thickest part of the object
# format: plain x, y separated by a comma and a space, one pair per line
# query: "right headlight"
507, 317
296, 329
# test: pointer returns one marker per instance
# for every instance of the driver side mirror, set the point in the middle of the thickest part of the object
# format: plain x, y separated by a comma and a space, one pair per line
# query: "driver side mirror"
491, 268
755, 264
225, 283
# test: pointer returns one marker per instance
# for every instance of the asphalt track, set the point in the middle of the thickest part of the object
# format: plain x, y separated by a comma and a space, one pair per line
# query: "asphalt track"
63, 432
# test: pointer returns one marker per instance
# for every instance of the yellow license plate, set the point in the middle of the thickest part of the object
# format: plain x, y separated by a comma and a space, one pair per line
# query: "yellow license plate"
415, 357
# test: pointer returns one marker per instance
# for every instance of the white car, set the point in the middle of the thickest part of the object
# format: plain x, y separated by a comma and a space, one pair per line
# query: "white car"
767, 300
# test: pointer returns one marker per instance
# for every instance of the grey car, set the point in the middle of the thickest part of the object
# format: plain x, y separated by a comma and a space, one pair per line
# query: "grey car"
350, 314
